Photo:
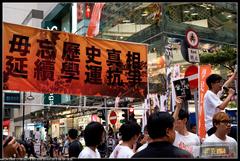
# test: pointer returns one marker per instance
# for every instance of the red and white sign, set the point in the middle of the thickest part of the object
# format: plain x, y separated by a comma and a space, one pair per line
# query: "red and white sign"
113, 117
192, 74
192, 38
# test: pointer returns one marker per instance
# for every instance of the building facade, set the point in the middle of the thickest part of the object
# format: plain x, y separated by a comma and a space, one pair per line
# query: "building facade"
158, 24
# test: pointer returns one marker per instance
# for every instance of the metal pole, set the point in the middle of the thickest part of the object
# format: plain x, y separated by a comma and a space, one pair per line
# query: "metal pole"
196, 108
64, 106
23, 116
106, 119
80, 101
1, 125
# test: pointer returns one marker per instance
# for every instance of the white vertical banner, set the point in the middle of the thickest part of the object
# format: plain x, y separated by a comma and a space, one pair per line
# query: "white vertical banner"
144, 116
169, 87
176, 71
74, 17
168, 60
117, 99
147, 101
146, 108
163, 100
176, 75
156, 100
173, 96
156, 104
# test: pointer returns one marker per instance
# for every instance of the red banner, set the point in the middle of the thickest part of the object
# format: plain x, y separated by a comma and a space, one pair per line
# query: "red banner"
93, 27
57, 62
204, 72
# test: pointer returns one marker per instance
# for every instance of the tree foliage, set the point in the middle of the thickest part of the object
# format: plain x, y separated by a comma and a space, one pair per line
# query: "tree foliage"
226, 56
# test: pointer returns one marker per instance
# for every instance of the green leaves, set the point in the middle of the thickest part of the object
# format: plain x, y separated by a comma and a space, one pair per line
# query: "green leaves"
226, 56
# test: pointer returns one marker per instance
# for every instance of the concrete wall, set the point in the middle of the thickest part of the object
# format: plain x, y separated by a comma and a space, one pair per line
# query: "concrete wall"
17, 12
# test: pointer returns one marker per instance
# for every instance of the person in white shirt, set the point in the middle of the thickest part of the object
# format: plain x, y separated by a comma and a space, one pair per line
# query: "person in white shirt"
94, 134
129, 134
222, 124
183, 138
37, 135
212, 102
146, 139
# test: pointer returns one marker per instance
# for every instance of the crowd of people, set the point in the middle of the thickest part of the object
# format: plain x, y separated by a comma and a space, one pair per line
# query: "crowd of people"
165, 135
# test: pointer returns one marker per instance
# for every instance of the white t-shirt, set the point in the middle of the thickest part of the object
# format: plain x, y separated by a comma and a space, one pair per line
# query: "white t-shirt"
122, 151
213, 140
211, 102
37, 135
142, 147
190, 143
89, 153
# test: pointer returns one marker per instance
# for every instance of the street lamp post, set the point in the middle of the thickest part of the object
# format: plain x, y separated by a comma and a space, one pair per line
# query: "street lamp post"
30, 97
24, 95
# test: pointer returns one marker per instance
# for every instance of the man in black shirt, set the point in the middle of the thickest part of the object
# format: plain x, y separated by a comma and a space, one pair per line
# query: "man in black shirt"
75, 147
161, 131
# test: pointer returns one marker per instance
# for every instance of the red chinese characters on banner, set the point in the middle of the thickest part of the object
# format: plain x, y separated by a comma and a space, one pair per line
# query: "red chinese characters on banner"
204, 72
56, 62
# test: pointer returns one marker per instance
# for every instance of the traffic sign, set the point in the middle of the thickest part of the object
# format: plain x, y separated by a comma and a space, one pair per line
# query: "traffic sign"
192, 74
113, 117
192, 38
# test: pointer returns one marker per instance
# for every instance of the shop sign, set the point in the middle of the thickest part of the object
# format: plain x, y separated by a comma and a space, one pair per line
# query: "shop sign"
12, 98
49, 25
52, 99
90, 112
193, 55
87, 112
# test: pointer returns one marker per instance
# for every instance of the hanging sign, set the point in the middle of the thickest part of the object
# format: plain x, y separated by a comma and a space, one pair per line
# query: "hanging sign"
44, 61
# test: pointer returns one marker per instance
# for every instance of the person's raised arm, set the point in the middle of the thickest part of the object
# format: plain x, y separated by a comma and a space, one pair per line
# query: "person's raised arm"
178, 107
224, 104
226, 84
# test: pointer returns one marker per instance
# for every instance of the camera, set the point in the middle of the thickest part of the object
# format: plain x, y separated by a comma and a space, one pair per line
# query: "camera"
225, 89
